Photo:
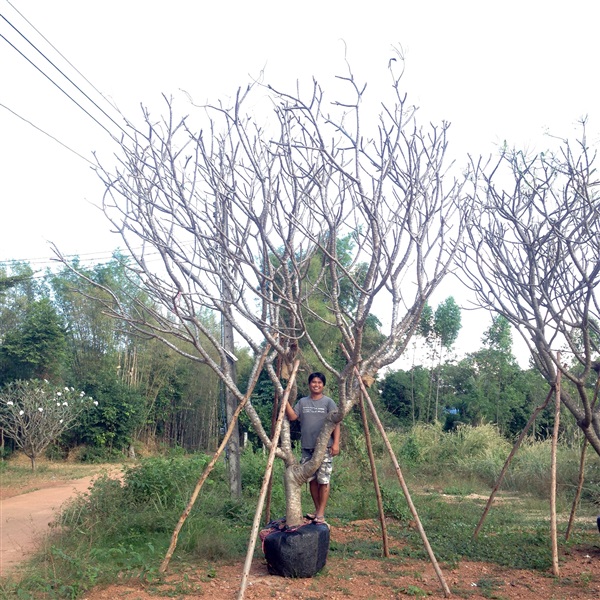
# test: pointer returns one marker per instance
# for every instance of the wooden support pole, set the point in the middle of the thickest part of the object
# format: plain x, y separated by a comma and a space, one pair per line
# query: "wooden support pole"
578, 491
553, 532
581, 471
165, 563
507, 462
384, 533
265, 483
409, 501
369, 444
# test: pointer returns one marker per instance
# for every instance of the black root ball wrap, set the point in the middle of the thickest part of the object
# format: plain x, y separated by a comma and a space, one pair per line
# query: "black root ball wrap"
300, 552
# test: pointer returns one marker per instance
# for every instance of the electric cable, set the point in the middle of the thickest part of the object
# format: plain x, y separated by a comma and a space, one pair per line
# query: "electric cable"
62, 55
48, 134
67, 78
54, 83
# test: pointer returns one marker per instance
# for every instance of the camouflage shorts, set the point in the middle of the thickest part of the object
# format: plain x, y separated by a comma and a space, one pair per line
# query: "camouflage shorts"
323, 473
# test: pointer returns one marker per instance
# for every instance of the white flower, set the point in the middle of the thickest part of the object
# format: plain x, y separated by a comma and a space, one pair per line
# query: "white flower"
61, 421
66, 389
10, 403
21, 412
46, 381
58, 404
81, 394
40, 409
65, 404
96, 402
59, 393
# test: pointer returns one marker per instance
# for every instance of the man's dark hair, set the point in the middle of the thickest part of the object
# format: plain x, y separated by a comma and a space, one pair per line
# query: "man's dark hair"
319, 375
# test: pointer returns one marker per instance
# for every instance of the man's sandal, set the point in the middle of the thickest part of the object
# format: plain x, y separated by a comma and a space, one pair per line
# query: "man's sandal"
310, 516
319, 520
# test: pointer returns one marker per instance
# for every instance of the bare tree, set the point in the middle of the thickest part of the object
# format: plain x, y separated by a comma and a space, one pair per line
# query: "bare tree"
533, 256
243, 220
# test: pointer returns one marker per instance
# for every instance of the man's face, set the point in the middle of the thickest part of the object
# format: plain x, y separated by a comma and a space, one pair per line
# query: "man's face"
316, 386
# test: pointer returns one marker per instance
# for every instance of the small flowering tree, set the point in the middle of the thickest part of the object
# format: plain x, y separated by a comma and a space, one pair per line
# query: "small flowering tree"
35, 413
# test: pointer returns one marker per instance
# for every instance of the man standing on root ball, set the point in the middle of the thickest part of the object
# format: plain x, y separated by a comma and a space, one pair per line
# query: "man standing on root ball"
312, 411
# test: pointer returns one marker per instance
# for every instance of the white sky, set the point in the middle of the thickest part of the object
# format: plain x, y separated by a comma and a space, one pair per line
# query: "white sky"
510, 70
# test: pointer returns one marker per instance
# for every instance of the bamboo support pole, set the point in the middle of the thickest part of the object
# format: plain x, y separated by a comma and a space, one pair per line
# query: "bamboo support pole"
553, 532
384, 533
409, 501
265, 484
274, 413
507, 462
581, 471
374, 476
578, 491
165, 563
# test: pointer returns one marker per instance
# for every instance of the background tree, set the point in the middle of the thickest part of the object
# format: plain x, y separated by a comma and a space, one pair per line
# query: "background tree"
35, 413
499, 366
146, 390
402, 390
532, 256
35, 346
440, 329
290, 190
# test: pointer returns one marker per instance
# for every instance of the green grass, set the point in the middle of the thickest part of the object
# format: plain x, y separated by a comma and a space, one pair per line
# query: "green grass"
119, 532
16, 472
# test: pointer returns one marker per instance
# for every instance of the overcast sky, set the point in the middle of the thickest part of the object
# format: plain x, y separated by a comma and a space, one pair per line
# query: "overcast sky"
511, 70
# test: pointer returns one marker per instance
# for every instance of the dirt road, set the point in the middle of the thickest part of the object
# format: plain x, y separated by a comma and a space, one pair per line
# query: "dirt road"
25, 519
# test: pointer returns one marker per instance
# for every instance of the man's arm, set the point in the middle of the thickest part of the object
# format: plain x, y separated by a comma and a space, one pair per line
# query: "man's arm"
335, 447
290, 413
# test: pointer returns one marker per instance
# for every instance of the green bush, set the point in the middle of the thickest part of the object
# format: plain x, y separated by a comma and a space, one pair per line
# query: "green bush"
166, 482
97, 454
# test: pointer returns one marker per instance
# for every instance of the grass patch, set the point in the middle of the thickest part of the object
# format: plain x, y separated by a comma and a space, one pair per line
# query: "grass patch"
511, 536
18, 477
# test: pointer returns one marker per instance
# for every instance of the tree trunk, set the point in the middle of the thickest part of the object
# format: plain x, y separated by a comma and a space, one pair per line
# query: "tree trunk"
293, 496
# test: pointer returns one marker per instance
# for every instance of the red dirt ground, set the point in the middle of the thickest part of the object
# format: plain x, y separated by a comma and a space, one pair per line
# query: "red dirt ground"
392, 578
343, 577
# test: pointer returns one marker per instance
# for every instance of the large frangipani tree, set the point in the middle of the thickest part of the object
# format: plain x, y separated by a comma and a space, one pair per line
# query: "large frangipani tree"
228, 216
532, 255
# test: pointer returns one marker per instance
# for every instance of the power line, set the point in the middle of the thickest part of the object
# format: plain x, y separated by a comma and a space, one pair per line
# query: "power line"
42, 261
56, 84
67, 78
48, 134
100, 255
61, 54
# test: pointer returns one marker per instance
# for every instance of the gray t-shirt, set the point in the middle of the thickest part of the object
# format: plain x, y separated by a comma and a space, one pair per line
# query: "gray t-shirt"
312, 414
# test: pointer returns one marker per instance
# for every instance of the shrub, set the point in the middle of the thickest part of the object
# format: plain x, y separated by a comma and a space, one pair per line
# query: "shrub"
165, 481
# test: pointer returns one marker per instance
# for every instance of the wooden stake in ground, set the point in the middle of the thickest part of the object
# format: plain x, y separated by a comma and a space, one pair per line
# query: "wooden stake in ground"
165, 563
507, 462
266, 478
553, 533
409, 501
